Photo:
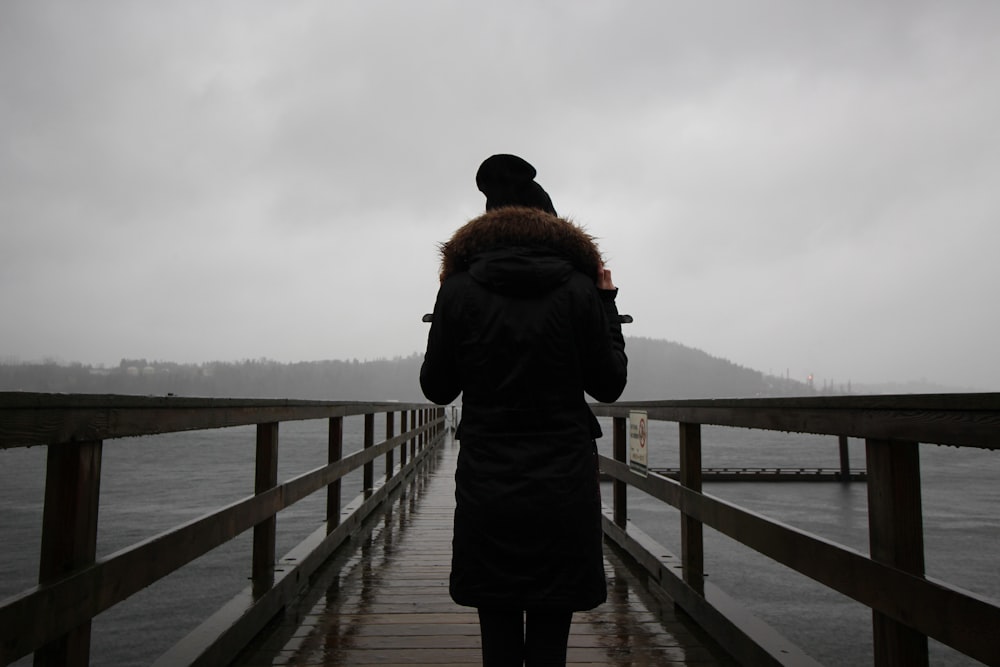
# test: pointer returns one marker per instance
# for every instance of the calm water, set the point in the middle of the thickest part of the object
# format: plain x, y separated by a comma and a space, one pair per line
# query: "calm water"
154, 483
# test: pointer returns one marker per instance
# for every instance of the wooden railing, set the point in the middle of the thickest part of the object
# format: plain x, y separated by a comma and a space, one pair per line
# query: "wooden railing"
53, 619
907, 607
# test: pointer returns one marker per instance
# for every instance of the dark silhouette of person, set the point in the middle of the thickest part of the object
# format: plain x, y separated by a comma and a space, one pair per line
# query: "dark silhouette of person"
525, 324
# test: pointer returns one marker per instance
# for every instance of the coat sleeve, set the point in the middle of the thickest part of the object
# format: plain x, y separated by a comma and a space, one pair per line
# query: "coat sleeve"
439, 376
605, 363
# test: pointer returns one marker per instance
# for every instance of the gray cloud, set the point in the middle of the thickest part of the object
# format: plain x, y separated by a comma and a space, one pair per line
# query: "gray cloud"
791, 186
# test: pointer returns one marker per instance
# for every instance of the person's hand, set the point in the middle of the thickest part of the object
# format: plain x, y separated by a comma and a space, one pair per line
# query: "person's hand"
604, 278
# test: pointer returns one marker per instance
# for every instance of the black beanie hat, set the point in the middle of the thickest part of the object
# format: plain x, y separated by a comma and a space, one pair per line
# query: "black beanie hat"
507, 180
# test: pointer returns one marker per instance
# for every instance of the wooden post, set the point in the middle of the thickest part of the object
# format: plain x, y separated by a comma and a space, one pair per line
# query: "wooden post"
369, 468
896, 538
69, 535
264, 533
413, 441
845, 460
619, 493
421, 420
402, 429
335, 451
390, 430
692, 538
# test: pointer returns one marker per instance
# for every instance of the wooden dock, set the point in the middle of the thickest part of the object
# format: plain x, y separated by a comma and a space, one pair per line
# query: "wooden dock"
387, 603
370, 585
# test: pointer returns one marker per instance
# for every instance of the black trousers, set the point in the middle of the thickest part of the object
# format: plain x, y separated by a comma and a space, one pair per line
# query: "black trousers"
533, 638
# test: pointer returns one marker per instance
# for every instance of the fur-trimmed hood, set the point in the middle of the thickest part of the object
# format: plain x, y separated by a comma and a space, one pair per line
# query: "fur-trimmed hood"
516, 226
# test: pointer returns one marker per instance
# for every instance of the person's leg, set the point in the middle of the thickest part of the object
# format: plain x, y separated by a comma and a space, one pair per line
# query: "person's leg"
546, 637
502, 632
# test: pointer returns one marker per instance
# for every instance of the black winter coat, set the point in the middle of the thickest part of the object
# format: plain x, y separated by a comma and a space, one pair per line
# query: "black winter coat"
521, 330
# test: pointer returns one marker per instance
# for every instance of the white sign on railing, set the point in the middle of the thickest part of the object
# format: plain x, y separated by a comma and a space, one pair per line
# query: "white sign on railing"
638, 451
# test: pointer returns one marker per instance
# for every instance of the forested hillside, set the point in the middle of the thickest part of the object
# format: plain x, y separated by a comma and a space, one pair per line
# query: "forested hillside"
657, 370
660, 369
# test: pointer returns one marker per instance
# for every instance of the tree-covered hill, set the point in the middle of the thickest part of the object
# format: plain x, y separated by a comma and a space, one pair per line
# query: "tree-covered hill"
658, 369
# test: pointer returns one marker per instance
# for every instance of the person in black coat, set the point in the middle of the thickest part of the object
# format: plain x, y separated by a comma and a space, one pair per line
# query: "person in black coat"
524, 325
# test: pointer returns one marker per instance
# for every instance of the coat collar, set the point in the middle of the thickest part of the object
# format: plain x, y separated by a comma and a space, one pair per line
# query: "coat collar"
523, 227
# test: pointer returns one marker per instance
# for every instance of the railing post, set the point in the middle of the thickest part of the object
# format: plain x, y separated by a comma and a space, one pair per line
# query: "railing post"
69, 535
692, 542
845, 459
266, 477
896, 538
402, 429
335, 451
390, 430
368, 482
619, 489
421, 419
413, 441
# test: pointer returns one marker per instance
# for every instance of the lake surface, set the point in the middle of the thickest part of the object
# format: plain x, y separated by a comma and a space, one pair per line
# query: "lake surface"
153, 483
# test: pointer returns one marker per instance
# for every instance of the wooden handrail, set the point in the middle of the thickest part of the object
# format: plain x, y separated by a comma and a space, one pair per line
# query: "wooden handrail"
961, 420
906, 605
53, 619
28, 419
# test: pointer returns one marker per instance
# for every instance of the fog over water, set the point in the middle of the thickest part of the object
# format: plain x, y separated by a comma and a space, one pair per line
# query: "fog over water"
797, 187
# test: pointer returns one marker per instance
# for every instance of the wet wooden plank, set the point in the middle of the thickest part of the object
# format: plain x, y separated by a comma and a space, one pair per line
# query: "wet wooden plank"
388, 604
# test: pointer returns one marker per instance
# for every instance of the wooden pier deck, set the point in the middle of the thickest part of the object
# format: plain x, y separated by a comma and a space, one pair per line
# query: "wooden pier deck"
387, 603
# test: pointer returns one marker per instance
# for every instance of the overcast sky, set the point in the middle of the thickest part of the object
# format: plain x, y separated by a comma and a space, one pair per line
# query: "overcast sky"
800, 187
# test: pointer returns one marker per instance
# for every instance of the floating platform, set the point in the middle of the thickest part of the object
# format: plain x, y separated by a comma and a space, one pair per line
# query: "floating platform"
771, 474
